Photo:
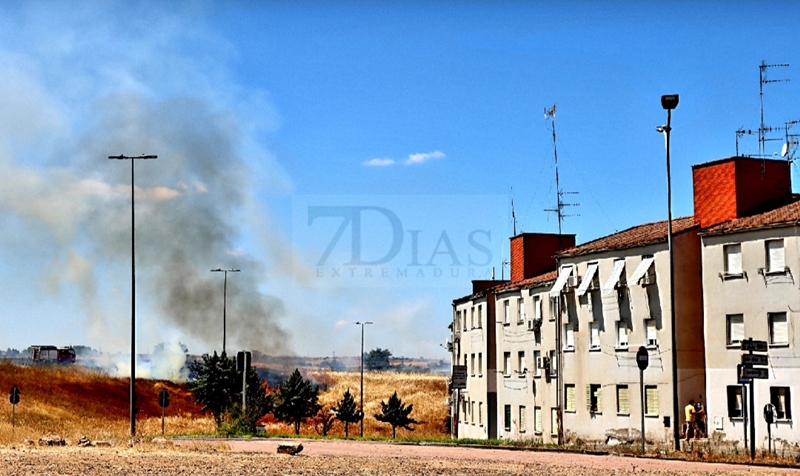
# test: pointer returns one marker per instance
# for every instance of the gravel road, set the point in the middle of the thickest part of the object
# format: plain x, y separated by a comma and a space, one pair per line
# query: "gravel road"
333, 457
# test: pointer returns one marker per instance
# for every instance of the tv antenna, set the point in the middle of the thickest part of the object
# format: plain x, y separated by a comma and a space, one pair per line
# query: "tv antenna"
762, 80
550, 114
790, 142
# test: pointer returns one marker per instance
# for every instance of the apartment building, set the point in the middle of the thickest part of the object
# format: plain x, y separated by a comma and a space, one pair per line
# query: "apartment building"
751, 261
561, 337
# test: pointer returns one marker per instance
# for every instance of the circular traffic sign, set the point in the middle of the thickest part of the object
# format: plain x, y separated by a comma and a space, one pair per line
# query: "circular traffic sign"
642, 358
14, 397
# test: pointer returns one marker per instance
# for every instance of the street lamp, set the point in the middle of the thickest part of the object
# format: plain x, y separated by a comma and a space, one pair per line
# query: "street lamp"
670, 102
224, 300
362, 324
133, 287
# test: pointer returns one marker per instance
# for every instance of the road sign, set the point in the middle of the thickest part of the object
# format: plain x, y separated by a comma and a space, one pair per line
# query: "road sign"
755, 359
14, 398
460, 376
742, 380
755, 372
163, 398
754, 345
243, 361
642, 358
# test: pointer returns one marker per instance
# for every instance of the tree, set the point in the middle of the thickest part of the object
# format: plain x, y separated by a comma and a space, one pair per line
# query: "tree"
396, 414
377, 359
324, 420
214, 384
347, 412
296, 401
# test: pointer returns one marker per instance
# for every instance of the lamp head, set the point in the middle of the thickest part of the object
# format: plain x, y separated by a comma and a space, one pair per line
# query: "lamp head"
662, 129
669, 101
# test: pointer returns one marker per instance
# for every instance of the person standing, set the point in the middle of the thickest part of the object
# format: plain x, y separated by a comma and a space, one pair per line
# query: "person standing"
691, 427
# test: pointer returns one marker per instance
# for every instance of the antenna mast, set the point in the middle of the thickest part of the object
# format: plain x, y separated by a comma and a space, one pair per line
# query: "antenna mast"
559, 210
762, 80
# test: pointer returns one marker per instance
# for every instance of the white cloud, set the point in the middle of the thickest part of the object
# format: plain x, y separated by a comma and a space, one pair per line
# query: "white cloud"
423, 157
377, 162
341, 324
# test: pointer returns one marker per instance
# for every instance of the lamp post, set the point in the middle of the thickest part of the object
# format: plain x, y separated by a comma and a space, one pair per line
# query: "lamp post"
224, 301
670, 102
133, 286
362, 324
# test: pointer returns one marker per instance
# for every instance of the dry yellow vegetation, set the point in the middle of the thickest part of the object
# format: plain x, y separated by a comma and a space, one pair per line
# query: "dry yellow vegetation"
73, 401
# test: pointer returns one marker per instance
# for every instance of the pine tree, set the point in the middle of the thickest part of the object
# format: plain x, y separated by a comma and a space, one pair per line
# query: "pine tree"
296, 401
347, 412
396, 414
214, 384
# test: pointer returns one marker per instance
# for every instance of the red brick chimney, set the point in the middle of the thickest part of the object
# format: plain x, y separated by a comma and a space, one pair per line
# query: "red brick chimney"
532, 253
739, 186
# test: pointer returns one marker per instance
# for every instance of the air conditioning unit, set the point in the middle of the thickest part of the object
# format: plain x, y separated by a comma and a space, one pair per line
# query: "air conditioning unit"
652, 342
572, 281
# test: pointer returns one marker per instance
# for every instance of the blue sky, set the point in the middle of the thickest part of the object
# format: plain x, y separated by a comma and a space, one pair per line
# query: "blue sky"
264, 114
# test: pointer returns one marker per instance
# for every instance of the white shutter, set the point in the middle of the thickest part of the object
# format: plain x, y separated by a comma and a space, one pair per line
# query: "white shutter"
613, 278
622, 334
570, 403
570, 336
775, 256
623, 406
587, 279
537, 419
537, 305
521, 304
595, 334
554, 421
651, 400
733, 259
779, 332
506, 315
736, 328
651, 329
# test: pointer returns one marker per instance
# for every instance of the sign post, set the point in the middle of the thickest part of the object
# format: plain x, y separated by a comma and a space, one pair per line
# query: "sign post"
642, 360
163, 402
14, 399
747, 371
243, 364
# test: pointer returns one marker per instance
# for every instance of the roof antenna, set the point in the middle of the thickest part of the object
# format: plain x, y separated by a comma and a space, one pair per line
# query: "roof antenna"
559, 210
762, 80
513, 216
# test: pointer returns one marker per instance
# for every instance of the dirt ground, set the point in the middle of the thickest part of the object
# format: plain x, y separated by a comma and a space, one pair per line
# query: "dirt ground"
336, 457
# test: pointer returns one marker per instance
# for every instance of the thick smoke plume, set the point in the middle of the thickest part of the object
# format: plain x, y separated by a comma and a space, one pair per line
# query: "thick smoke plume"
190, 208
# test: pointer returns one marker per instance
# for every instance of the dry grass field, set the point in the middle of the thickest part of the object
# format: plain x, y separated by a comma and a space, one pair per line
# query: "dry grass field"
73, 401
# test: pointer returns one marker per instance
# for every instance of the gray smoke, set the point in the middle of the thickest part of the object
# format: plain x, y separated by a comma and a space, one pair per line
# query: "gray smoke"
190, 206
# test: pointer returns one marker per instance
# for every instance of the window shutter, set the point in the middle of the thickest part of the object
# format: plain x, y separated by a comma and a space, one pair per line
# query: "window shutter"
505, 312
775, 256
588, 397
595, 334
651, 329
733, 259
554, 421
651, 400
538, 308
736, 323
537, 419
622, 333
780, 328
599, 399
570, 332
623, 406
570, 398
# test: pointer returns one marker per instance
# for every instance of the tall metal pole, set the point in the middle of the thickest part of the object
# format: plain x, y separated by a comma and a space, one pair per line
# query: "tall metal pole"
133, 287
641, 396
362, 324
224, 302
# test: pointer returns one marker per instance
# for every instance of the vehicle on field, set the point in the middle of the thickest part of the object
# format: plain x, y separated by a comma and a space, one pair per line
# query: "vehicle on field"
52, 354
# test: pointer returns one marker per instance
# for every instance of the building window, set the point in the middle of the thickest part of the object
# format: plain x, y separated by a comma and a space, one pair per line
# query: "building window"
569, 398
465, 363
781, 398
776, 259
735, 401
537, 361
523, 419
506, 316
569, 336
554, 421
472, 317
594, 398
464, 315
480, 413
651, 400
622, 335
507, 364
594, 335
472, 413
733, 259
480, 364
521, 363
553, 308
735, 325
507, 418
480, 316
651, 339
778, 328
472, 364
553, 363
623, 403
537, 419
537, 308
458, 320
